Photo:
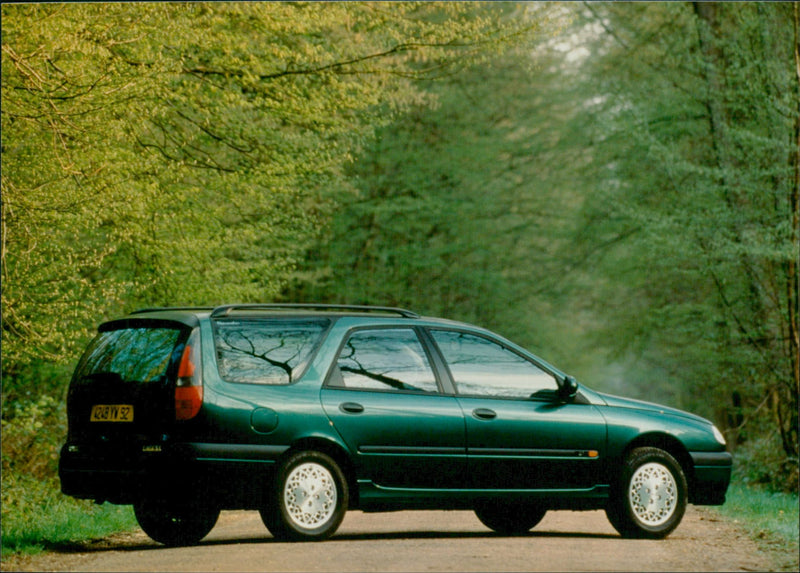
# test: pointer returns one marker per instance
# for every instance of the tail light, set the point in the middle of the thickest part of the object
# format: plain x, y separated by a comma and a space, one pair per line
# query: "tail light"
189, 386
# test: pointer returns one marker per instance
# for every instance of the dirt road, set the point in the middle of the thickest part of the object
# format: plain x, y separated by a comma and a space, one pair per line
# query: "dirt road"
425, 541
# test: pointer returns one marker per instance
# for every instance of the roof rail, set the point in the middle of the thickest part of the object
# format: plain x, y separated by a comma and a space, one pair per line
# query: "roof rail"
169, 308
226, 309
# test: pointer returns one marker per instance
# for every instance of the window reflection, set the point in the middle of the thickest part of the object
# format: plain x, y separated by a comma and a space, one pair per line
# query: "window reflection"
264, 351
136, 354
482, 367
387, 359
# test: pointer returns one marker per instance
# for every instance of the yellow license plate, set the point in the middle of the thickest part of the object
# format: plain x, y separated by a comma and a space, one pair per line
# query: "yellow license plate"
112, 413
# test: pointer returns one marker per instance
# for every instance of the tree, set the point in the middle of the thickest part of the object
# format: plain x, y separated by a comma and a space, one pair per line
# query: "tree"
706, 97
445, 217
185, 153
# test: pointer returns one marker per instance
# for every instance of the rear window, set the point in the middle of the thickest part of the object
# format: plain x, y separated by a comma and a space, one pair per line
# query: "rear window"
266, 351
134, 354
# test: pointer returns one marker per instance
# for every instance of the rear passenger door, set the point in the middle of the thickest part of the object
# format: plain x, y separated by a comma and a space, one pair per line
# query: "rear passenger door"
384, 398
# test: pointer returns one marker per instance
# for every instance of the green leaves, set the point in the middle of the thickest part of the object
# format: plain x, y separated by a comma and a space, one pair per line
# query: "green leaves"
188, 153
709, 175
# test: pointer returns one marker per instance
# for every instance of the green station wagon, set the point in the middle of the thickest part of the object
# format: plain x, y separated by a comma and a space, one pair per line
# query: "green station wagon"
305, 411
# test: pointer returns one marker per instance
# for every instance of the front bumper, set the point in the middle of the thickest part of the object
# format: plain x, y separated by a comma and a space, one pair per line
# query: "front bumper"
712, 476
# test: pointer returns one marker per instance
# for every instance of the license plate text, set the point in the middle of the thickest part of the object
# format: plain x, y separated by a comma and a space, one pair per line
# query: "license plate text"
112, 413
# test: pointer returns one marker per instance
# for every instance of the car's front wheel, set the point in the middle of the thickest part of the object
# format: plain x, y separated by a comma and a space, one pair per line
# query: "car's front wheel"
650, 496
509, 518
175, 525
309, 500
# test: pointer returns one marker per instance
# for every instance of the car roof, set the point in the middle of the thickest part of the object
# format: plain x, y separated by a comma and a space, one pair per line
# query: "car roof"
190, 315
277, 309
348, 309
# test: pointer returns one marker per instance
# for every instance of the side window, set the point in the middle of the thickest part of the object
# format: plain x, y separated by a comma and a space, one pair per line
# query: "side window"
266, 351
482, 367
385, 359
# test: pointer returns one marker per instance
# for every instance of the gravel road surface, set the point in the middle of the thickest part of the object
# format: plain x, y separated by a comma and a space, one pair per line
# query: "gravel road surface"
424, 541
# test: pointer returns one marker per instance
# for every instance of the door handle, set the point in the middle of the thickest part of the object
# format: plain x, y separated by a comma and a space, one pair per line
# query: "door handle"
484, 413
351, 407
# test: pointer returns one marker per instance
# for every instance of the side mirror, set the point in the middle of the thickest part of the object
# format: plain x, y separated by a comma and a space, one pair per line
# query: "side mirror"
568, 388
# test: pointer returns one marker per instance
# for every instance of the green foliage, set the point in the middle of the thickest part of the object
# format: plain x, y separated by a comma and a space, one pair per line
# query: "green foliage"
706, 289
23, 385
770, 517
37, 517
188, 153
443, 217
33, 432
762, 462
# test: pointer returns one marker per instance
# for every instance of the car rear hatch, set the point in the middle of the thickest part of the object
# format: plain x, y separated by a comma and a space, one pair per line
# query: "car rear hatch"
126, 396
124, 386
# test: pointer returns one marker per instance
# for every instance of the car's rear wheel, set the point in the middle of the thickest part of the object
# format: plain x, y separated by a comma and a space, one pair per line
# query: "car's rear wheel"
310, 498
175, 525
509, 518
650, 496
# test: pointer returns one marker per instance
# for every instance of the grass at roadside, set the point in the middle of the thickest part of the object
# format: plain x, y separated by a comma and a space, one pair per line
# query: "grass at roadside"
43, 518
770, 518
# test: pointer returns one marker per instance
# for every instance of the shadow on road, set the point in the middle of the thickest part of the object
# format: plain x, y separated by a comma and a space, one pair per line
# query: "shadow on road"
124, 545
388, 535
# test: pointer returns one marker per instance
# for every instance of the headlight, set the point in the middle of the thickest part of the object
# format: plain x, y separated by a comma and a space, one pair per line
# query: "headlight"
718, 435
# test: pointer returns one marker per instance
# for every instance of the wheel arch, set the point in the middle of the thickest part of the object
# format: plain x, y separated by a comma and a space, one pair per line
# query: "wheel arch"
337, 452
670, 444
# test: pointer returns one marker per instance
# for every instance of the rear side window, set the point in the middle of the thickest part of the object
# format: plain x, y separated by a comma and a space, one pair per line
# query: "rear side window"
134, 354
266, 351
384, 359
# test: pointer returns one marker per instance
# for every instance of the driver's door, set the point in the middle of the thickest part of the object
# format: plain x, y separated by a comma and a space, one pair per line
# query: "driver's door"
519, 434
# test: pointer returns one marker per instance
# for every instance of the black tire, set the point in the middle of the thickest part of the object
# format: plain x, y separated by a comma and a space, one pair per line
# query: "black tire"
509, 518
269, 517
175, 525
309, 498
649, 499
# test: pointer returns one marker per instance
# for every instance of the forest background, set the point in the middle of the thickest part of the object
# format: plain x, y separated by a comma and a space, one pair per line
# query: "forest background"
613, 186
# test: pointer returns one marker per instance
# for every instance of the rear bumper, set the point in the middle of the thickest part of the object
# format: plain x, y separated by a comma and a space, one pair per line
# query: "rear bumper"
235, 476
120, 474
712, 475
